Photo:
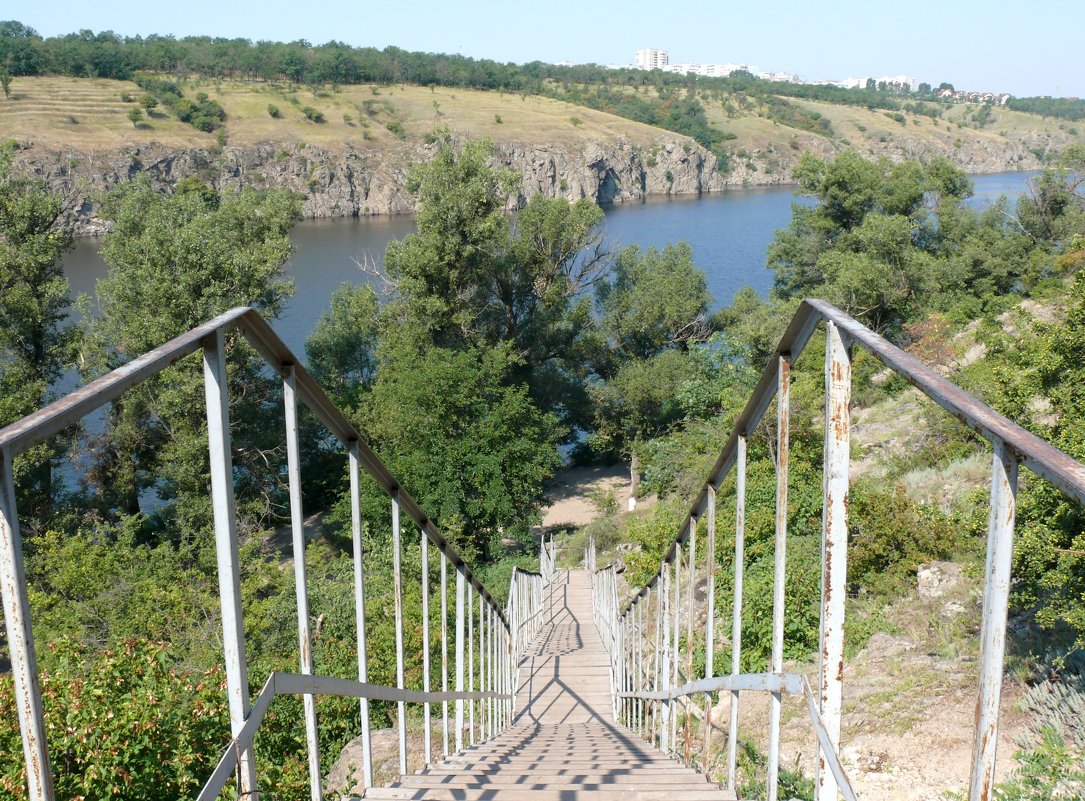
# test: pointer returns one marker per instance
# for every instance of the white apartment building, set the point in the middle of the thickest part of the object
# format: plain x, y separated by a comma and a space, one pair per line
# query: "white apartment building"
650, 58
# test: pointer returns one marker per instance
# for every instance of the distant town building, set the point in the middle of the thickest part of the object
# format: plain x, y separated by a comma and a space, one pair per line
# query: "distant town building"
707, 70
650, 58
781, 77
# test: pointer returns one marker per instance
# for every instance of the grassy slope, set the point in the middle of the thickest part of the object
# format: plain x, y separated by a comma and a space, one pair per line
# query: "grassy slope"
43, 110
39, 110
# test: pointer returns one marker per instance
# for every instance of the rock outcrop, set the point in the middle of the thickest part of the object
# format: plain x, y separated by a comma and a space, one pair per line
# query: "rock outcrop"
351, 182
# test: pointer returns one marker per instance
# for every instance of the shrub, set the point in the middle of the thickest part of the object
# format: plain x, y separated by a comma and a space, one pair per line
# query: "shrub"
130, 724
273, 111
313, 114
396, 127
497, 119
576, 121
134, 116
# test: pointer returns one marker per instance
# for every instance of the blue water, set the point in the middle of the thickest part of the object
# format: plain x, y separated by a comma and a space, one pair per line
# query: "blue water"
729, 233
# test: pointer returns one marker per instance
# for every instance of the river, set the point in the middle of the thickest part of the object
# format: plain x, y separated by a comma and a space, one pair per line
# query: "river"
729, 233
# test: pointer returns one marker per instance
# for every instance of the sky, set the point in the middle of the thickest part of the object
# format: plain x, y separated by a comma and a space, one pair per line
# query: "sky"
994, 45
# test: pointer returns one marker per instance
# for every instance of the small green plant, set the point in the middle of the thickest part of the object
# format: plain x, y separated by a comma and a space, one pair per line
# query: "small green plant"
396, 127
576, 121
134, 116
497, 119
72, 120
149, 102
312, 114
126, 97
273, 111
349, 120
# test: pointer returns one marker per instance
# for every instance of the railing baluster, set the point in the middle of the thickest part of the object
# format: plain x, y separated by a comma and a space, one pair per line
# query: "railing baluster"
710, 621
834, 546
444, 651
736, 615
229, 571
660, 668
427, 724
297, 528
397, 582
24, 660
783, 426
460, 585
359, 605
676, 618
471, 662
481, 665
692, 559
1000, 526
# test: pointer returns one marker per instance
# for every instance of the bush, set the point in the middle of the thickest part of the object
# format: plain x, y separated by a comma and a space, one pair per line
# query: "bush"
134, 116
128, 723
576, 121
396, 127
313, 114
497, 119
273, 111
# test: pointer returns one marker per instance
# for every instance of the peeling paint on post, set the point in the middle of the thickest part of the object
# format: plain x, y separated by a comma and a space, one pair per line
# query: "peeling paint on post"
689, 621
397, 590
297, 529
24, 662
427, 723
736, 615
834, 547
359, 605
783, 428
710, 620
229, 571
996, 589
461, 582
444, 652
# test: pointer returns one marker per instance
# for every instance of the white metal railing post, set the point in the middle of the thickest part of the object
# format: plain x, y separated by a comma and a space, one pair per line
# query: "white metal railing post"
359, 605
427, 723
710, 621
444, 652
736, 615
783, 425
460, 584
24, 660
996, 589
691, 567
834, 547
397, 591
470, 663
229, 571
297, 530
660, 668
676, 617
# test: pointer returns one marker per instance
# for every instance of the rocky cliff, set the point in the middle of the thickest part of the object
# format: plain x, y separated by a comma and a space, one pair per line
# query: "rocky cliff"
353, 183
349, 182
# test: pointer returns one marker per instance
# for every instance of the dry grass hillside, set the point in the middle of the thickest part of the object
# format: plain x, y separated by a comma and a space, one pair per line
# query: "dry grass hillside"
89, 114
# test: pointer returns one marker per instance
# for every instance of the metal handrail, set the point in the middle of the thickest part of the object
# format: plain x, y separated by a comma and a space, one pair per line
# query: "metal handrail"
502, 633
629, 639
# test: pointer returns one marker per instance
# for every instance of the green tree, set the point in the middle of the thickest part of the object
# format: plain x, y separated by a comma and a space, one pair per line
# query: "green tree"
341, 351
466, 279
176, 262
653, 312
36, 345
134, 116
5, 81
473, 449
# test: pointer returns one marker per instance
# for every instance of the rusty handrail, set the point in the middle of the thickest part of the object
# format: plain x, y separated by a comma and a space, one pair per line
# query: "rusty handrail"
1012, 446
